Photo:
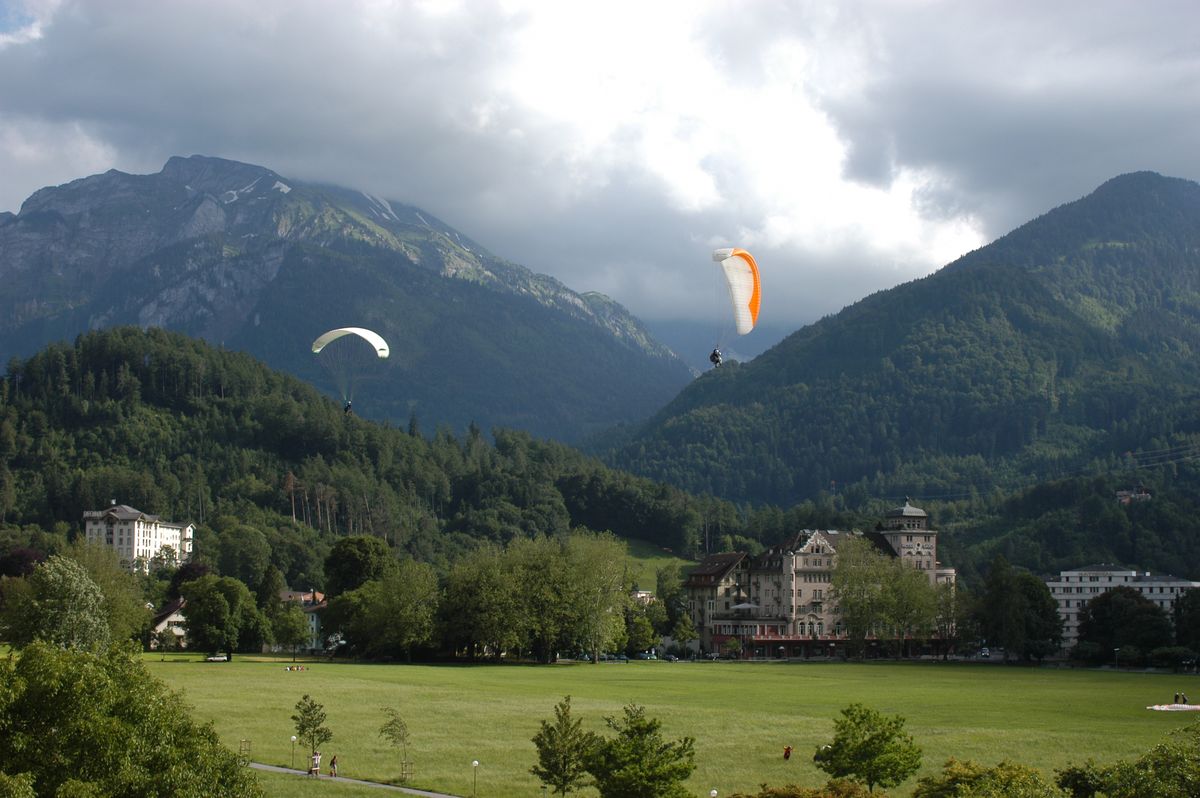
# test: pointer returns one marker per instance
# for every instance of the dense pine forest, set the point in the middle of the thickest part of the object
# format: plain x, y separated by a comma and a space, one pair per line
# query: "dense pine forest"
175, 427
264, 464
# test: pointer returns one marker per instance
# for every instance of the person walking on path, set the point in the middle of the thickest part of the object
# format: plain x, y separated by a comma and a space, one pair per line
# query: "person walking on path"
333, 767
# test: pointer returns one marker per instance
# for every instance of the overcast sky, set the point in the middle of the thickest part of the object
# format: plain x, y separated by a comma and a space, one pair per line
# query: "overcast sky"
850, 146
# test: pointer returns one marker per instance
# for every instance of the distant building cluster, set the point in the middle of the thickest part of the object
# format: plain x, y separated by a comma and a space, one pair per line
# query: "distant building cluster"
1138, 494
312, 602
137, 537
779, 605
1074, 589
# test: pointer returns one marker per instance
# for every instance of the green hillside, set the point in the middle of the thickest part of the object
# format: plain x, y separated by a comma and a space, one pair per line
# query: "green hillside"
1048, 354
175, 427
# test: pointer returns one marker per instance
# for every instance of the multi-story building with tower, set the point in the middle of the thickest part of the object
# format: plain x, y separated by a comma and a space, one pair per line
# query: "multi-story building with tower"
778, 604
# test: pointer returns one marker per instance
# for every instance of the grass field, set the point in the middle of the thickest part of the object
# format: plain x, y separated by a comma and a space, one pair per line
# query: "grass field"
741, 714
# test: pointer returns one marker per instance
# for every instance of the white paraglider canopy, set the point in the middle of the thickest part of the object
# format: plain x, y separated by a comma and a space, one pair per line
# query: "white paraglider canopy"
373, 338
349, 353
745, 292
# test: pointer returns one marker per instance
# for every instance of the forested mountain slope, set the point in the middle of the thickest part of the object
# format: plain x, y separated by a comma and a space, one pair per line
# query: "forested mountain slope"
255, 261
175, 427
1048, 353
273, 471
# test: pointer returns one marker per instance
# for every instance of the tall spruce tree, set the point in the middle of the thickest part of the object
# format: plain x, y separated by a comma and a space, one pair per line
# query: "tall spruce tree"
564, 750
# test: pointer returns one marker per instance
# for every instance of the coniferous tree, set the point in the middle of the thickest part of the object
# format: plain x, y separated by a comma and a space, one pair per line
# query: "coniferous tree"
564, 751
637, 762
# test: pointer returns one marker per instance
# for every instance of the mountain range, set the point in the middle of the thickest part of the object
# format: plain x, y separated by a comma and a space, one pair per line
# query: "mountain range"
251, 260
1067, 347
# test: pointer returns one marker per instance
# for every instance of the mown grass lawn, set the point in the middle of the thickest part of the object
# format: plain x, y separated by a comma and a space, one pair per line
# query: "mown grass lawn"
741, 714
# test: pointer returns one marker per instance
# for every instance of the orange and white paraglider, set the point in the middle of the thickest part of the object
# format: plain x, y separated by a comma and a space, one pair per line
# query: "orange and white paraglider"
745, 291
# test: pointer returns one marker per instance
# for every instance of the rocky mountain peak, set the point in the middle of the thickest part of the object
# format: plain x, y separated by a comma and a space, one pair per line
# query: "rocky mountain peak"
223, 179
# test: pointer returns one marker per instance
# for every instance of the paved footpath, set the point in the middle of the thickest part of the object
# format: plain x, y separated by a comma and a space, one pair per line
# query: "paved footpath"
360, 782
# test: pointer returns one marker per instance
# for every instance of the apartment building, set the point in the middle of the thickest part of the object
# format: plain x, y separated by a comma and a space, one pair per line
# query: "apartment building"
1074, 589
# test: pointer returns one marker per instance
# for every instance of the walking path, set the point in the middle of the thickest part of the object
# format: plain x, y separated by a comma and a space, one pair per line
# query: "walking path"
376, 784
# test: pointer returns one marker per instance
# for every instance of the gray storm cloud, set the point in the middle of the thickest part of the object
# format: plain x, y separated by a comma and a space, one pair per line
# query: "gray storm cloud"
851, 147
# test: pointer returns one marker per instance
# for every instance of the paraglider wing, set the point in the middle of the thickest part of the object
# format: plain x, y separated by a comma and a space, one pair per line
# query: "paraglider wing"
741, 275
373, 338
348, 353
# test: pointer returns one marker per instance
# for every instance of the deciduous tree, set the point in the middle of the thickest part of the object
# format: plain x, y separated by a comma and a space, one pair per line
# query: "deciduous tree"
220, 615
356, 560
290, 627
77, 723
857, 586
1008, 779
60, 604
395, 731
310, 723
1124, 618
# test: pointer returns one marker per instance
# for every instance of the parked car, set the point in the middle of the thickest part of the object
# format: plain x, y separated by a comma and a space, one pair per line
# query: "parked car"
647, 655
713, 655
671, 658
985, 653
217, 658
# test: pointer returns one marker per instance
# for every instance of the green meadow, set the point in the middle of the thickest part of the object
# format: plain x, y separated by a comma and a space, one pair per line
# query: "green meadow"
741, 715
646, 558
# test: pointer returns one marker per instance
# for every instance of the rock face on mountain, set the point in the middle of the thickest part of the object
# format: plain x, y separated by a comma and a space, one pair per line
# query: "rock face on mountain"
247, 258
1062, 345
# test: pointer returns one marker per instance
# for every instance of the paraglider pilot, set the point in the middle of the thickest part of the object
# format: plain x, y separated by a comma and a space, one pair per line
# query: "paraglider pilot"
347, 410
715, 357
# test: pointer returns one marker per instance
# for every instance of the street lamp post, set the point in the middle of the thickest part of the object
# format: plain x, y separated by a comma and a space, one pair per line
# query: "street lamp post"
293, 752
1116, 659
712, 794
474, 776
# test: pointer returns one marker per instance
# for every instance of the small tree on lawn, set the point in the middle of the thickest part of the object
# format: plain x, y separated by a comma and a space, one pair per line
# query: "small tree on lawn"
870, 748
638, 762
395, 731
310, 724
165, 640
563, 750
291, 628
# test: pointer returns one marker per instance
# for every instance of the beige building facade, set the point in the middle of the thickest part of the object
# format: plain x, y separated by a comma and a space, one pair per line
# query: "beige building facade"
779, 604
